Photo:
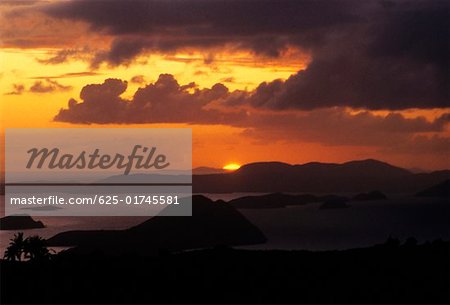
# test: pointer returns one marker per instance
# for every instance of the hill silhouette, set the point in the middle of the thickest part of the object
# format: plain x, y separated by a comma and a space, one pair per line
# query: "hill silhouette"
212, 223
439, 190
19, 222
374, 195
277, 200
354, 176
334, 203
392, 273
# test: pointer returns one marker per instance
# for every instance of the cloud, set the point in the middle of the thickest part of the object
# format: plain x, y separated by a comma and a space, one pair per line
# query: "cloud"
420, 144
64, 55
228, 80
351, 81
18, 2
68, 75
18, 89
195, 20
163, 101
166, 101
200, 72
138, 79
101, 104
337, 126
26, 26
121, 52
265, 27
48, 86
365, 54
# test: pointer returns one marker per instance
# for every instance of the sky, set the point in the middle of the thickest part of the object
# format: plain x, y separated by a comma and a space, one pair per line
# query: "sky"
291, 81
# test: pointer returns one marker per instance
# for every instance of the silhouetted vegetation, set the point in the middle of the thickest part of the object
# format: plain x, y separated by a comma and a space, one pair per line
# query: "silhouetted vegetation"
14, 252
388, 273
33, 248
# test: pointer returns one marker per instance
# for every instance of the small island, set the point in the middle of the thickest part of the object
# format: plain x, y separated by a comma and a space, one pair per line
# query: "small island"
374, 195
19, 222
441, 190
334, 203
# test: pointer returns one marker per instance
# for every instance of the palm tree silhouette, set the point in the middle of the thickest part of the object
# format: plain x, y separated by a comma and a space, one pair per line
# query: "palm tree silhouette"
32, 248
35, 248
15, 249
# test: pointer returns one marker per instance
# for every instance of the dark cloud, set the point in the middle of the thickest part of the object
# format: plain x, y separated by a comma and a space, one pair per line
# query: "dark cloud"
336, 126
435, 145
365, 54
223, 18
160, 102
101, 104
166, 101
399, 61
48, 86
64, 55
351, 81
122, 51
265, 26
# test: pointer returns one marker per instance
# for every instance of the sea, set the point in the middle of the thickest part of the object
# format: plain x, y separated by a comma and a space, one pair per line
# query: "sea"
307, 227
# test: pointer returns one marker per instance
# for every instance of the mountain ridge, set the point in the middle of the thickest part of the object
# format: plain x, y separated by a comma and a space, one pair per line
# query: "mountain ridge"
353, 176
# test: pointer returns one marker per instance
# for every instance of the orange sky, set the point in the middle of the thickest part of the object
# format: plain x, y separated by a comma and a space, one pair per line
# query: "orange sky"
214, 145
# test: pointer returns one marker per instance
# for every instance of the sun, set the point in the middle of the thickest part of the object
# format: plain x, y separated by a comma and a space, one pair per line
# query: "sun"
231, 167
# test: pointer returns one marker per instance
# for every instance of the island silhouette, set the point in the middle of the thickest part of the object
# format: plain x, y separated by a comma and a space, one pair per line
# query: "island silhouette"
199, 258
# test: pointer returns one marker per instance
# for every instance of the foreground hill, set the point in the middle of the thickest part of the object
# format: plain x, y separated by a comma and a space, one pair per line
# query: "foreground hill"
354, 177
211, 224
386, 274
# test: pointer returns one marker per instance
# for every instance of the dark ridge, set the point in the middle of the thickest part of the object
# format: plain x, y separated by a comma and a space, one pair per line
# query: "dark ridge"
212, 223
390, 273
19, 222
439, 190
278, 200
351, 177
334, 203
374, 195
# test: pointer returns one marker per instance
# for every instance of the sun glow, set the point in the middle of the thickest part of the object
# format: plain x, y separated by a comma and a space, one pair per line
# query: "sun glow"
231, 167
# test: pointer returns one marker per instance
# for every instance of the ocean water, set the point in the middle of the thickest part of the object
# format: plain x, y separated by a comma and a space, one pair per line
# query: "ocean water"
301, 227
55, 225
362, 224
